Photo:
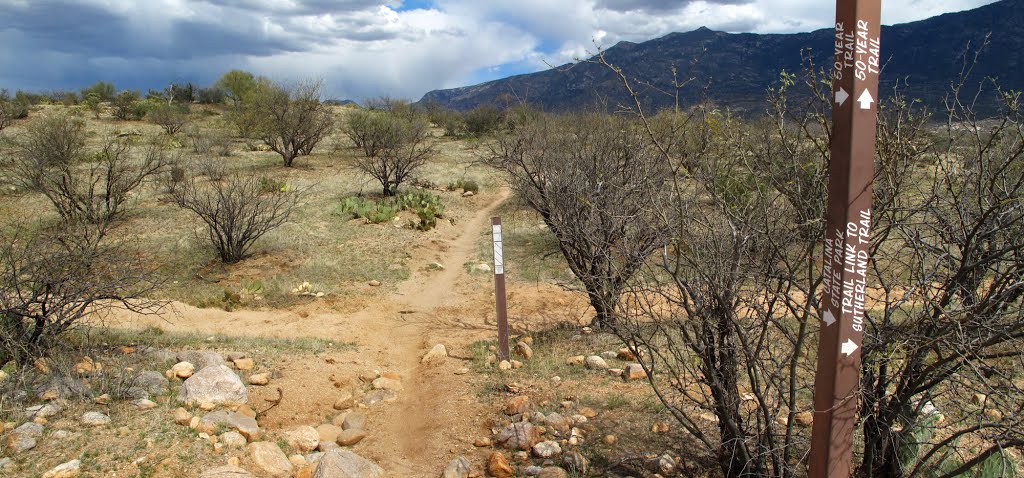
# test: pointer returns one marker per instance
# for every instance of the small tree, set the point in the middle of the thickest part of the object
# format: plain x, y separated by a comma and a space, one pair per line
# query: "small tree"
11, 109
236, 85
394, 147
236, 211
171, 117
126, 106
291, 121
103, 90
598, 184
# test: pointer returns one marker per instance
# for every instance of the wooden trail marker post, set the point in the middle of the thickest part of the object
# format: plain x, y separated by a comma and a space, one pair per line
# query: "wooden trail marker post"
500, 303
847, 236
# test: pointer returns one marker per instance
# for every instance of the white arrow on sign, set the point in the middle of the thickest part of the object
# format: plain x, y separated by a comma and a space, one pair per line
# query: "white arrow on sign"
865, 100
849, 347
829, 318
841, 96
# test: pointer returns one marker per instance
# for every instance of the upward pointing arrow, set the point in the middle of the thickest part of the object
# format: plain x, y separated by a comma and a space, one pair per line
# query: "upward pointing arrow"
841, 96
849, 347
828, 318
865, 100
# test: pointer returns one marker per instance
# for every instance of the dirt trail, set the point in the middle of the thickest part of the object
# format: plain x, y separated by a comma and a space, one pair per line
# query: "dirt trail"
436, 417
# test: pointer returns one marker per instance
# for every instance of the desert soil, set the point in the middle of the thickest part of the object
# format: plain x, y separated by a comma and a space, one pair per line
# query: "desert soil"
437, 416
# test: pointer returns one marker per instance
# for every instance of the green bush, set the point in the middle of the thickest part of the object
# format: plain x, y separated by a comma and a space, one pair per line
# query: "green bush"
270, 185
466, 185
126, 106
11, 109
482, 120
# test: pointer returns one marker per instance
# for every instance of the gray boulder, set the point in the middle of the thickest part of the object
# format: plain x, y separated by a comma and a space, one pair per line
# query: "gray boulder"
247, 426
215, 384
458, 468
152, 382
228, 471
201, 358
340, 463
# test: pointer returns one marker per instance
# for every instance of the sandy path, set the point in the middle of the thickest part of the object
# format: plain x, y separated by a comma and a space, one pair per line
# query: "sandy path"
435, 417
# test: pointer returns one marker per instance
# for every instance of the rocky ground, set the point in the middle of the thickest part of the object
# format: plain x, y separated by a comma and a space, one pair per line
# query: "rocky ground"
406, 385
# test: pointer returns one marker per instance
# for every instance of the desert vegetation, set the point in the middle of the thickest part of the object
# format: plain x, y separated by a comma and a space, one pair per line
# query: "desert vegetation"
679, 249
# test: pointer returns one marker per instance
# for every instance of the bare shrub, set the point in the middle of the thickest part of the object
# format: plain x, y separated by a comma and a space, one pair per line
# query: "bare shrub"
95, 188
598, 183
236, 211
291, 121
54, 280
393, 148
11, 109
171, 117
210, 141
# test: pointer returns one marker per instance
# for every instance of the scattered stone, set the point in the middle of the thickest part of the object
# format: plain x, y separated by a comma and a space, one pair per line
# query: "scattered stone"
436, 266
104, 399
328, 432
152, 382
354, 421
88, 367
344, 401
246, 410
227, 471
95, 419
482, 267
498, 466
804, 419
626, 355
201, 358
532, 470
326, 446
610, 440
48, 395
385, 383
375, 283
247, 426
556, 421
182, 416
183, 370
575, 436
269, 458
232, 356
144, 404
516, 364
615, 372
461, 371
527, 340
519, 436
467, 194
574, 461
546, 449
588, 412
552, 472
377, 396
259, 379
587, 330
609, 355
61, 435
244, 364
575, 360
595, 362
504, 365
42, 411
24, 437
979, 399
3, 375
350, 437
233, 439
517, 405
438, 353
567, 404
664, 464
483, 442
304, 439
634, 371
340, 463
70, 469
217, 384
458, 468
207, 406
524, 350
659, 427
297, 460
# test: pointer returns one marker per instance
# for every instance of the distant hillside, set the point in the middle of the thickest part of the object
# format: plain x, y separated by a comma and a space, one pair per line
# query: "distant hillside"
738, 68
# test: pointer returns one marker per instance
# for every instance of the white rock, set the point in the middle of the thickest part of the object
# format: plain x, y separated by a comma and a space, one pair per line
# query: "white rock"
70, 469
438, 353
95, 419
546, 449
596, 362
215, 384
341, 463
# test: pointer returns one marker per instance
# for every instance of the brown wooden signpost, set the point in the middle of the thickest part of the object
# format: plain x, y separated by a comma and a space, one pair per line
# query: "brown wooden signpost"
847, 235
499, 289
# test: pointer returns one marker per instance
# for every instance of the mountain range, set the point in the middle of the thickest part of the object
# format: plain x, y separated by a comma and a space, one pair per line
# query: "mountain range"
735, 70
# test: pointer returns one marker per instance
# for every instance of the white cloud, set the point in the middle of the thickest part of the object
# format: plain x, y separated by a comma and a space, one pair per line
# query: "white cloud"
361, 48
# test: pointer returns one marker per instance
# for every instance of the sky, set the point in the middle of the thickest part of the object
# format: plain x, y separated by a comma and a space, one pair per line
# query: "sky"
363, 48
